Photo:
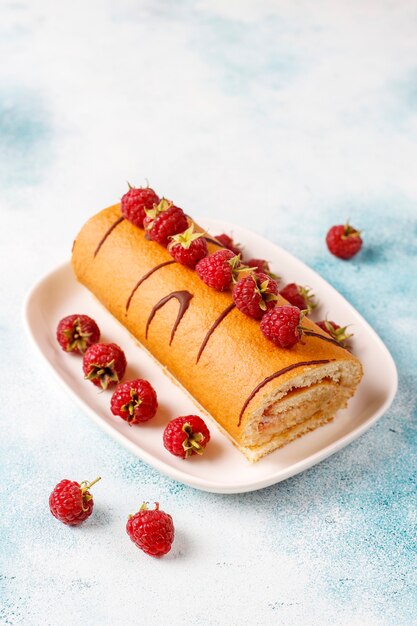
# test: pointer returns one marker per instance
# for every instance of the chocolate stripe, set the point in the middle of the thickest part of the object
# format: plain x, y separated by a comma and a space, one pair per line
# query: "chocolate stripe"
213, 328
275, 375
183, 298
311, 333
144, 277
110, 230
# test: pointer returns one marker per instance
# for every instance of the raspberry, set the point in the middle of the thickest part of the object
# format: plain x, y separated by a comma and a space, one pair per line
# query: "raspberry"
134, 401
219, 269
136, 201
164, 220
75, 333
186, 436
335, 331
344, 241
298, 296
228, 243
71, 502
281, 325
188, 247
104, 364
259, 264
254, 294
151, 530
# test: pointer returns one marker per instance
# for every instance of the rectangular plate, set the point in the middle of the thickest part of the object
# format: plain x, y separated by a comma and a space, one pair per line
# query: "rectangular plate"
222, 469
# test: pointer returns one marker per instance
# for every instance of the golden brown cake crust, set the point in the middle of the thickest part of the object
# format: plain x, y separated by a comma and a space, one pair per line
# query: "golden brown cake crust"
221, 368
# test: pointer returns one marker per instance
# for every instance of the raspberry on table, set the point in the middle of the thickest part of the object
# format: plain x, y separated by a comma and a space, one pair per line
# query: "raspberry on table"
282, 325
104, 364
220, 269
188, 247
344, 241
339, 333
134, 401
228, 243
255, 294
136, 201
186, 436
151, 530
75, 333
163, 221
71, 502
299, 296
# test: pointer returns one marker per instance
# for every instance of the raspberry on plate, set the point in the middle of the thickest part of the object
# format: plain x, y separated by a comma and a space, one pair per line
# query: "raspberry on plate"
299, 296
75, 333
104, 364
151, 530
335, 331
164, 220
71, 502
134, 401
220, 269
255, 294
228, 243
186, 436
259, 264
344, 241
188, 247
135, 202
282, 325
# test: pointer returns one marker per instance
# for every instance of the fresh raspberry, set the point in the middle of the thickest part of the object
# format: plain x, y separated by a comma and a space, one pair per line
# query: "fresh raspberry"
186, 436
259, 264
164, 220
335, 331
255, 294
228, 243
344, 241
220, 269
134, 401
151, 530
75, 333
71, 502
281, 325
299, 296
136, 201
104, 364
188, 247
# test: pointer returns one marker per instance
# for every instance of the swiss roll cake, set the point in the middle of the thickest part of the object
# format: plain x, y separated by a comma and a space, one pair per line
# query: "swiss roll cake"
262, 396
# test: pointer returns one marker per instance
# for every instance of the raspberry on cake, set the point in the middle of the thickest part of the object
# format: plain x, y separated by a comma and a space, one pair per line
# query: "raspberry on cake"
188, 247
135, 202
299, 296
163, 221
255, 294
228, 243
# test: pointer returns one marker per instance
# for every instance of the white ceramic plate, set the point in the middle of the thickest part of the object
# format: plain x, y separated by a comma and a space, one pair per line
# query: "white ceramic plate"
223, 468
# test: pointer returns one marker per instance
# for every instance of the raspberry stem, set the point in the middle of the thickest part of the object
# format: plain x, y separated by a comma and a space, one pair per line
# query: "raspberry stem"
85, 486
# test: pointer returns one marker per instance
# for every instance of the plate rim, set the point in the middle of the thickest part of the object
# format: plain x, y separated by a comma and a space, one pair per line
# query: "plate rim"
176, 473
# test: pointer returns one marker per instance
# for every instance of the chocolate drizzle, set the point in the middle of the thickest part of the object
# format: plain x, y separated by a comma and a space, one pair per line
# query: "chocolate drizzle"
108, 232
183, 298
213, 328
144, 277
275, 375
311, 333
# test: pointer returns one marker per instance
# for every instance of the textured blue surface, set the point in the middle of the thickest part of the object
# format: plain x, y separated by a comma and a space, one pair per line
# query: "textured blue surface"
285, 118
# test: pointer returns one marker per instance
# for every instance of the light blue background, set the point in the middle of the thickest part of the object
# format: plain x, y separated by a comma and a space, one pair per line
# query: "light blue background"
286, 118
